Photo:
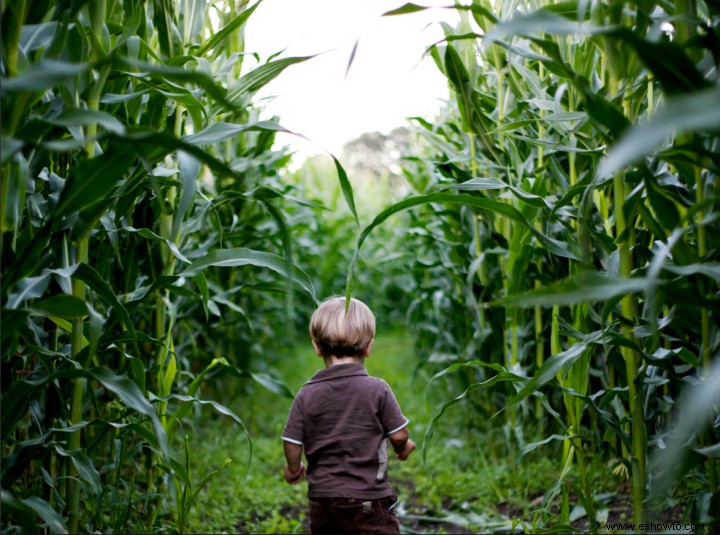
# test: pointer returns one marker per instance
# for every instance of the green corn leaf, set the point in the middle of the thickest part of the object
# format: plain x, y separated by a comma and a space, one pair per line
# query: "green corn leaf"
70, 117
287, 244
347, 189
696, 410
155, 146
150, 235
92, 180
480, 184
189, 173
256, 79
603, 112
95, 325
37, 36
140, 294
176, 468
527, 448
28, 288
709, 269
241, 256
538, 22
499, 378
272, 384
177, 75
191, 391
169, 376
664, 207
84, 467
62, 306
481, 204
668, 62
131, 395
405, 9
207, 477
24, 511
585, 287
222, 410
550, 368
696, 112
221, 131
14, 189
222, 35
43, 75
96, 283
202, 285
468, 364
54, 520
8, 147
711, 451
12, 320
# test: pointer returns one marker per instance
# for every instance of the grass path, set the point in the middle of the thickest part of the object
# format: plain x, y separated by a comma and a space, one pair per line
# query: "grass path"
458, 491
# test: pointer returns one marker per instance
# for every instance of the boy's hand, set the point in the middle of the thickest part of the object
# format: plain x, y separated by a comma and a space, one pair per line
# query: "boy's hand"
407, 450
294, 478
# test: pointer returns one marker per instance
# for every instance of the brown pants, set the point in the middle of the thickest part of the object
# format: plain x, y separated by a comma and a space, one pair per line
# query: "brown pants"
350, 515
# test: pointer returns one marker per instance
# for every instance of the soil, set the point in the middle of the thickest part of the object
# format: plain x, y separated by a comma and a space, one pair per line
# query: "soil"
416, 517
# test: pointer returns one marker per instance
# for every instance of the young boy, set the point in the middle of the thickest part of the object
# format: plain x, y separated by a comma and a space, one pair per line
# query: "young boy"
342, 417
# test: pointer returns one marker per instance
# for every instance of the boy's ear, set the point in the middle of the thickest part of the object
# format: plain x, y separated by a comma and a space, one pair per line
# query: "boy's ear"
366, 353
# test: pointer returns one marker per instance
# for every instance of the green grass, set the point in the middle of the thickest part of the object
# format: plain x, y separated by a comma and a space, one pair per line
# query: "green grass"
456, 491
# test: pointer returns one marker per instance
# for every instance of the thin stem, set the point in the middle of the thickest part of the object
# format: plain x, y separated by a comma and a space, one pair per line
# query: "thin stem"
631, 359
76, 403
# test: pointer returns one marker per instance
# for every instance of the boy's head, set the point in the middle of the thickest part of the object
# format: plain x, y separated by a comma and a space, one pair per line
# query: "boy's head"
343, 335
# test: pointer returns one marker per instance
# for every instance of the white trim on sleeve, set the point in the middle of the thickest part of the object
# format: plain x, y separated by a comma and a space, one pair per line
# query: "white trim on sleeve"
399, 428
293, 440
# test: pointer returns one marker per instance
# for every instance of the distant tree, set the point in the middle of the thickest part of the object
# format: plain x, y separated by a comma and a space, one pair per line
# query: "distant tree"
378, 157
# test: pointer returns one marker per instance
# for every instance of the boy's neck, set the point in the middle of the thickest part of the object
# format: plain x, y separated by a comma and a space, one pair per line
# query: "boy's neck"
332, 360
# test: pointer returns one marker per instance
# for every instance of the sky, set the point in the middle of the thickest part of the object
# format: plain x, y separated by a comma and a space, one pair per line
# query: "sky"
388, 81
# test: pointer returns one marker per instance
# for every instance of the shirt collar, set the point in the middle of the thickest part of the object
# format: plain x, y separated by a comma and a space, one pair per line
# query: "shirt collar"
338, 371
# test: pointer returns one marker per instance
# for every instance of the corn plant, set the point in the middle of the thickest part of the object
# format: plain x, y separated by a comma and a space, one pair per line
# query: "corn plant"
135, 167
574, 177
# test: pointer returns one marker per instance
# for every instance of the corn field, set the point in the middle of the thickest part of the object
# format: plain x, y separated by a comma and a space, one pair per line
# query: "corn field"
558, 253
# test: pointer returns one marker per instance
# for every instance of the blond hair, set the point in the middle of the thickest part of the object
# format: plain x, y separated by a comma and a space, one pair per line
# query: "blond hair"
339, 333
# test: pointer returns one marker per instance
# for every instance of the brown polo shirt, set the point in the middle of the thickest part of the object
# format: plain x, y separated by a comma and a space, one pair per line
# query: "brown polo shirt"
342, 417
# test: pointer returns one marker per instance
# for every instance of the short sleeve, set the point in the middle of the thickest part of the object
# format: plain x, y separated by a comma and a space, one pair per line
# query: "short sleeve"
391, 416
294, 428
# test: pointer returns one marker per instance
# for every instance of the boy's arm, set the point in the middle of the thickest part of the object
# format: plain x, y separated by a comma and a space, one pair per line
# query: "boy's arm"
294, 469
401, 443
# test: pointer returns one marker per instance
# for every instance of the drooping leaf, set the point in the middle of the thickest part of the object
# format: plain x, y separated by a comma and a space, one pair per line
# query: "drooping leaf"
696, 112
221, 131
241, 256
70, 117
481, 204
24, 512
42, 75
499, 378
585, 287
105, 292
253, 81
537, 22
131, 395
347, 189
85, 468
189, 173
